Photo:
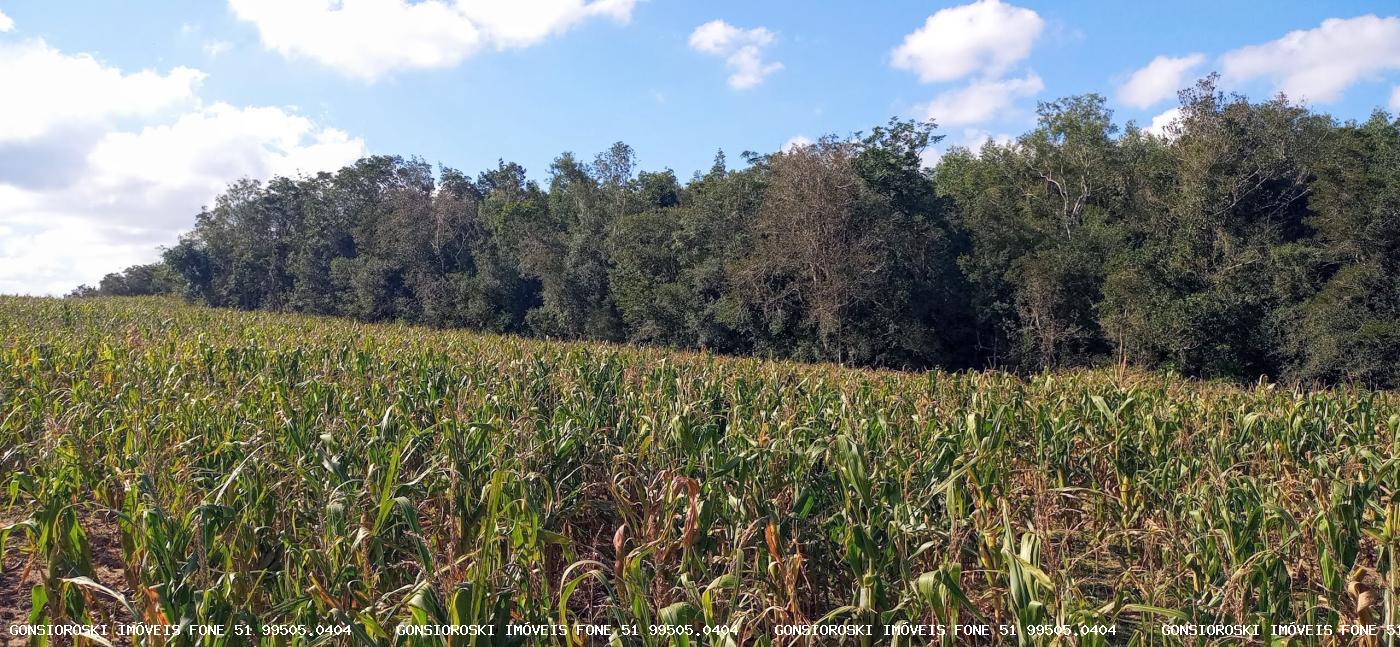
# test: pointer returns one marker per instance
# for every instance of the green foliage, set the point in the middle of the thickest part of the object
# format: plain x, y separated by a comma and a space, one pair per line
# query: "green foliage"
259, 468
1248, 240
135, 281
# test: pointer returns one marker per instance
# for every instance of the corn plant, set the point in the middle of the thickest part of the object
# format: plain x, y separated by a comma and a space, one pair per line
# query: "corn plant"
171, 464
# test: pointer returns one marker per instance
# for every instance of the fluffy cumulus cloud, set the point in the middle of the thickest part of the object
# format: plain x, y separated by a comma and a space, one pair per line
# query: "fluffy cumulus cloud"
983, 40
370, 38
77, 91
986, 37
980, 101
517, 23
6, 23
196, 155
1159, 80
796, 142
974, 139
99, 166
742, 50
1162, 122
1319, 64
929, 157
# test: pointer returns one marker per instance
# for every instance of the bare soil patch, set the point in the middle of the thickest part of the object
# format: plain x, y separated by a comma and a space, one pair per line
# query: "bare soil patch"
21, 570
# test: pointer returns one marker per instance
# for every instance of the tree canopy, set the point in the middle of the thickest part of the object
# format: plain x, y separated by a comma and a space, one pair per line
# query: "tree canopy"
1249, 239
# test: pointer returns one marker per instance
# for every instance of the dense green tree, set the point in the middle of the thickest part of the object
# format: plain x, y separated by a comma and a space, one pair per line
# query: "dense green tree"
135, 281
1041, 216
1203, 285
568, 253
499, 294
647, 276
1247, 239
922, 316
1349, 327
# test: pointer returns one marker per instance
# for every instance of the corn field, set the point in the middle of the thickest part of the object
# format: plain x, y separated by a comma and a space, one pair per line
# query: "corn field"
169, 464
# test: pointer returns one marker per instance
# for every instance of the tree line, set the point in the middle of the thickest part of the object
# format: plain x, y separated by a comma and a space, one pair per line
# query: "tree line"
1249, 239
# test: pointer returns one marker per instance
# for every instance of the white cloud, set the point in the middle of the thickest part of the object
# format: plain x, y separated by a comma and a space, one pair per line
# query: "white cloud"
102, 184
6, 23
1160, 79
77, 91
980, 101
1161, 122
742, 49
516, 23
1395, 98
929, 157
987, 37
1319, 64
52, 257
217, 48
370, 38
975, 138
796, 141
200, 152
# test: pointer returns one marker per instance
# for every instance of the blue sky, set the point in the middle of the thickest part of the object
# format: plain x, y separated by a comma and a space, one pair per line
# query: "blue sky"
129, 116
